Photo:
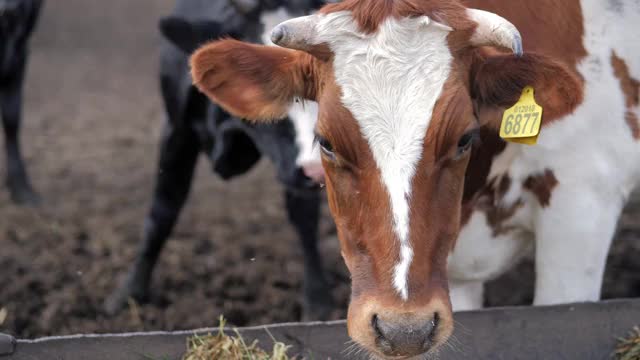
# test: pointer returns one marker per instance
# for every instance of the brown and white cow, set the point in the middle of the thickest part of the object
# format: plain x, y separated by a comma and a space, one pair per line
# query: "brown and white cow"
428, 200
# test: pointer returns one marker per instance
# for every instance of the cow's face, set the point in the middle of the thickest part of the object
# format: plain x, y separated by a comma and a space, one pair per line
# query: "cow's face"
402, 90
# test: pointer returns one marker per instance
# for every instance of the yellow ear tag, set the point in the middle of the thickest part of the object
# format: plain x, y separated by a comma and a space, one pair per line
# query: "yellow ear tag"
521, 122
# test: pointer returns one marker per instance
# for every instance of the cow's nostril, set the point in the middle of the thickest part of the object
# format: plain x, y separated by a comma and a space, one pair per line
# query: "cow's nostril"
434, 325
277, 34
404, 335
374, 324
381, 341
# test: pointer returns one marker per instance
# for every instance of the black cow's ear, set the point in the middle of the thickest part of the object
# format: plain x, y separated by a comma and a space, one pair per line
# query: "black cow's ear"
189, 35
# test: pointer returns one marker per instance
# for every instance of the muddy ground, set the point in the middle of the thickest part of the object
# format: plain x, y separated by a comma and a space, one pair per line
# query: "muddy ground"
92, 121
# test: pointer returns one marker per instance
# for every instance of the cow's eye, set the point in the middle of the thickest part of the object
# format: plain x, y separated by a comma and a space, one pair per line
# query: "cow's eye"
325, 147
467, 140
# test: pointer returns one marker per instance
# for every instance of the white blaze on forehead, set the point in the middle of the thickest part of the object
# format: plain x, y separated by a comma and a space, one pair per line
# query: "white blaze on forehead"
390, 81
303, 115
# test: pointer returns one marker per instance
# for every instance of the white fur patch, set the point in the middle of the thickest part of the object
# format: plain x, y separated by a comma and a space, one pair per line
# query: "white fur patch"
585, 205
304, 116
390, 81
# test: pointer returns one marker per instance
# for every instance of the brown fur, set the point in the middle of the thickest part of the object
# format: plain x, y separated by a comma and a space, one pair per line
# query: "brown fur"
253, 81
542, 186
434, 214
498, 215
497, 81
489, 146
369, 14
490, 201
631, 89
634, 124
548, 27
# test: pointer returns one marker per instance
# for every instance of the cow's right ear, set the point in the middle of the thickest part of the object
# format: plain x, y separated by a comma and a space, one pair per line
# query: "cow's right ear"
254, 82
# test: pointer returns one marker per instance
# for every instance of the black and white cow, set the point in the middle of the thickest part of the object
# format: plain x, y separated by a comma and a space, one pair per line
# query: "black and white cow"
17, 21
196, 125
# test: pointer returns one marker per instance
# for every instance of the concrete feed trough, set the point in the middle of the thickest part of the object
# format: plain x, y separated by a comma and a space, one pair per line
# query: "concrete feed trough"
578, 331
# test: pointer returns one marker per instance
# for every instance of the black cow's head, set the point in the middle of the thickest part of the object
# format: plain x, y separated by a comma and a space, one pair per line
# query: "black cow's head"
293, 7
189, 34
290, 145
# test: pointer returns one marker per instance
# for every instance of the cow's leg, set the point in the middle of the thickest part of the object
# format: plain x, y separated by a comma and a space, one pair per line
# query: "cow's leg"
178, 156
304, 214
11, 106
466, 295
573, 236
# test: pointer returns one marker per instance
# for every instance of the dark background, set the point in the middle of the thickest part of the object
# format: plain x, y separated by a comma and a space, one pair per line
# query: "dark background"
92, 120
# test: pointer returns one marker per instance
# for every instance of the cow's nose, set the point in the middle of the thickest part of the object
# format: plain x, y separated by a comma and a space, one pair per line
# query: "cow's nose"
404, 336
314, 171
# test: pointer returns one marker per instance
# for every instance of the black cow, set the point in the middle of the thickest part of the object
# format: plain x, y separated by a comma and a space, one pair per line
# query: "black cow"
196, 125
17, 21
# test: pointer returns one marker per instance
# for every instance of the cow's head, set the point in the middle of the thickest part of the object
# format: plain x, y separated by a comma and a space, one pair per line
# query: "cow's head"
290, 145
402, 87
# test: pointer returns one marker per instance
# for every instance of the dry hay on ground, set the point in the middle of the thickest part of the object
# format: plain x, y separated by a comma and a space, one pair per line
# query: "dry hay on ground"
629, 348
222, 346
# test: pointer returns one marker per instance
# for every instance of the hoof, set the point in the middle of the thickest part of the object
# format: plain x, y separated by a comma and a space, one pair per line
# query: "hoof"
119, 299
24, 195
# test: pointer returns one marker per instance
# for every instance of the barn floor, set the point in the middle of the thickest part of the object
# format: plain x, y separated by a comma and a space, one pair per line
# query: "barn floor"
92, 121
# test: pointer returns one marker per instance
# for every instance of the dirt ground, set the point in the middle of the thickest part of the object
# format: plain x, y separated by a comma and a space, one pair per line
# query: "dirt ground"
92, 120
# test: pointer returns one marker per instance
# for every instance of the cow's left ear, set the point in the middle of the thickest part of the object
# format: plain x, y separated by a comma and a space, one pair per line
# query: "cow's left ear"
497, 81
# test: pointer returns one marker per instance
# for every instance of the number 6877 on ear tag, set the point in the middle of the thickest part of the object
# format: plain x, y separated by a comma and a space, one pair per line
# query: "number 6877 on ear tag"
521, 122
